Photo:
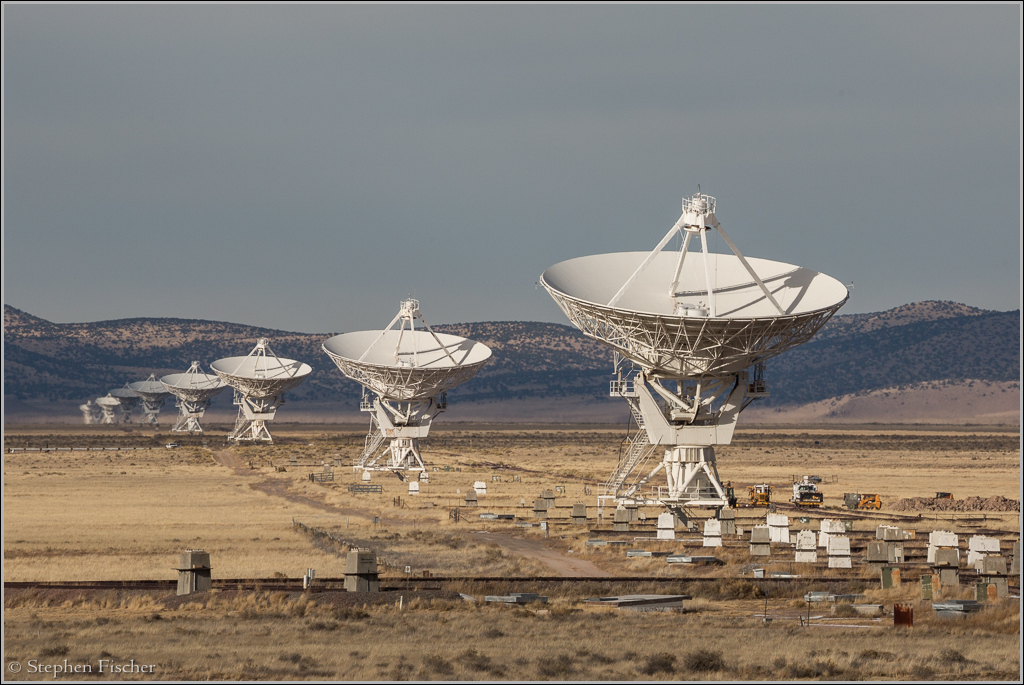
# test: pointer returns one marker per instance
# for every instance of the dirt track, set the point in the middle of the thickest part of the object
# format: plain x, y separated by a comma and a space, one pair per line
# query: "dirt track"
561, 564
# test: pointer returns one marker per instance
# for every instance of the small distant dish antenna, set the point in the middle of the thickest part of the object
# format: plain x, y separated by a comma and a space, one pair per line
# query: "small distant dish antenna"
260, 380
127, 400
110, 408
691, 331
152, 393
91, 413
194, 390
409, 373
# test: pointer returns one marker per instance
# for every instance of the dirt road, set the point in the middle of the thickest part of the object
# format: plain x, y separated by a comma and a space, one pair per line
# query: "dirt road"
537, 550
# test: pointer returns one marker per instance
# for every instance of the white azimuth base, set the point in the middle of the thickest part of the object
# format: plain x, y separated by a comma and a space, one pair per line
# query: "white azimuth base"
410, 372
401, 423
260, 381
697, 332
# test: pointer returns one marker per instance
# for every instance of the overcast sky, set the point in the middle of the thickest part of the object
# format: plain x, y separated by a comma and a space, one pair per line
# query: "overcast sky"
306, 168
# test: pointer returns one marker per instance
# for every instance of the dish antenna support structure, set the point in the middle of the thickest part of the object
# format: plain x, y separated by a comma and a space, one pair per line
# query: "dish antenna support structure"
409, 372
110, 408
194, 391
127, 400
260, 381
691, 333
152, 393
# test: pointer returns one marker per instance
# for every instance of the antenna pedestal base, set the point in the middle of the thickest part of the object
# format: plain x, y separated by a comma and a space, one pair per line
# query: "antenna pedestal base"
402, 427
250, 426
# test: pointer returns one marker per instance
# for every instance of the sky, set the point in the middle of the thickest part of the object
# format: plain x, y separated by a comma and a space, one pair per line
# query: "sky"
307, 168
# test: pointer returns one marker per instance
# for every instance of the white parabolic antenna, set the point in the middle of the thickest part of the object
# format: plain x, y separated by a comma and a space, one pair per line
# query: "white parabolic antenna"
127, 401
110, 406
194, 390
260, 380
153, 393
409, 371
698, 327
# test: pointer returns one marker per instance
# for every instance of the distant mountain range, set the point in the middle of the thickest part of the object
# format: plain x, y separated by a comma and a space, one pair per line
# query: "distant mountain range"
924, 342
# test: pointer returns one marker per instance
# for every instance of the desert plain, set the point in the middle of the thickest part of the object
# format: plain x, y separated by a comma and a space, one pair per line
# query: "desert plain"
76, 516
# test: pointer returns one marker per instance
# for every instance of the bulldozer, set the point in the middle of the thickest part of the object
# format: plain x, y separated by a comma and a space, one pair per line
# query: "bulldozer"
760, 495
855, 500
806, 494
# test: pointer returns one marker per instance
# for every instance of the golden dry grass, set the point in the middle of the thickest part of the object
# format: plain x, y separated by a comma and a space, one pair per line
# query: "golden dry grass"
127, 515
279, 636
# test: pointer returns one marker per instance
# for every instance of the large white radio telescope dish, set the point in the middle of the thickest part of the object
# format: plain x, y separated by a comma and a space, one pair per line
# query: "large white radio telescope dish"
260, 380
699, 326
409, 371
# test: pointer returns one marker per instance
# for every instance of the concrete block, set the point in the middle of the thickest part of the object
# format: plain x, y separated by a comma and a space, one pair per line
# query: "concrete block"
888, 533
713, 527
943, 538
712, 540
945, 556
840, 562
993, 565
360, 561
778, 534
949, 577
760, 549
983, 543
839, 545
414, 487
666, 526
777, 520
1015, 564
729, 527
823, 539
832, 526
760, 535
806, 556
727, 514
877, 552
805, 540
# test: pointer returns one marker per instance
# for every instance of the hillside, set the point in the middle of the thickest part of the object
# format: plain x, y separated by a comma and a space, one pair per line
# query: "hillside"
535, 368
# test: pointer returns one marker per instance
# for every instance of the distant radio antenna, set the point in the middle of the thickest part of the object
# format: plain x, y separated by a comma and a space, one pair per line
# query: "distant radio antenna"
127, 400
260, 381
410, 373
194, 391
152, 393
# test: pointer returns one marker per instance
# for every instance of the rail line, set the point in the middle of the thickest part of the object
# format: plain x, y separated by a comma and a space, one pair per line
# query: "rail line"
422, 583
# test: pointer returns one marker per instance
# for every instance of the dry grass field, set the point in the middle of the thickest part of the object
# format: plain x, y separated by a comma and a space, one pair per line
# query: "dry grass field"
127, 514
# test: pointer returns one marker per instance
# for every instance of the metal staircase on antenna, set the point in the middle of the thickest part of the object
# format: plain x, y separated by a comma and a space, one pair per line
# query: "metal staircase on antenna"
408, 372
696, 326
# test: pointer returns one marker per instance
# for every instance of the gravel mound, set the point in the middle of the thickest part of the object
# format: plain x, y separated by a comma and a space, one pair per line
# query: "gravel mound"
994, 503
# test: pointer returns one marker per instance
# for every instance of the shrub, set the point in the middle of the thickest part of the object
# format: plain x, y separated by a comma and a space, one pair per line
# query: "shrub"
659, 663
561, 666
704, 660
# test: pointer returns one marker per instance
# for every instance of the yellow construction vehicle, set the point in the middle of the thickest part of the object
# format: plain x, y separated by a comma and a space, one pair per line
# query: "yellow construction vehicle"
855, 500
760, 495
